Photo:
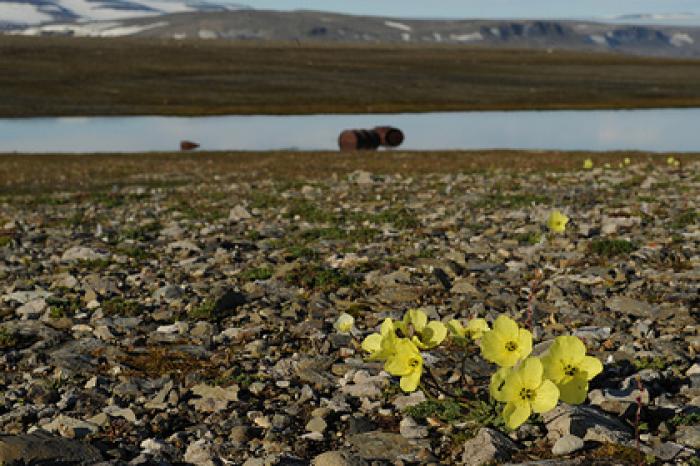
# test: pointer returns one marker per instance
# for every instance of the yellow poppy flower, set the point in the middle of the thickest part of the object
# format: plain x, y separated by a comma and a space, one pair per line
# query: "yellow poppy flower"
423, 334
588, 164
344, 323
381, 345
566, 364
524, 392
475, 328
506, 344
557, 222
406, 363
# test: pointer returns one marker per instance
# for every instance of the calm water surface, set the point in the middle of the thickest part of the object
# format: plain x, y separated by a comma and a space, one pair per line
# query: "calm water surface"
649, 130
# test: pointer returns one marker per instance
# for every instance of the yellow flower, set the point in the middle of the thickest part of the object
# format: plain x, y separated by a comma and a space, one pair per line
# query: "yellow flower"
671, 161
406, 363
588, 164
344, 323
627, 161
567, 365
475, 328
423, 334
524, 391
607, 165
557, 222
381, 346
498, 379
506, 344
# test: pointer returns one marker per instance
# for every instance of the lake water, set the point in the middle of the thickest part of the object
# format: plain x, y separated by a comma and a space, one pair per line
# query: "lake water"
595, 130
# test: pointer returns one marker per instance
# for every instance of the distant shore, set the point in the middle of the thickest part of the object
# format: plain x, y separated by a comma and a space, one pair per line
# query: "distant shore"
79, 77
46, 173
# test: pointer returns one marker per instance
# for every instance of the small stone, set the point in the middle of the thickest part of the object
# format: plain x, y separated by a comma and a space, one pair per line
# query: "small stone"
409, 428
79, 253
689, 436
239, 435
70, 427
200, 453
337, 458
316, 424
32, 310
383, 446
488, 446
239, 213
567, 444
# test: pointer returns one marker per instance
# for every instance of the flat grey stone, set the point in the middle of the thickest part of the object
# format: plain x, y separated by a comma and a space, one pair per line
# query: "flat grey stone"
567, 444
382, 446
488, 446
630, 306
337, 458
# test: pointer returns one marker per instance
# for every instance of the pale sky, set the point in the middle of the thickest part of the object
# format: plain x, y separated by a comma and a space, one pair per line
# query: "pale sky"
484, 8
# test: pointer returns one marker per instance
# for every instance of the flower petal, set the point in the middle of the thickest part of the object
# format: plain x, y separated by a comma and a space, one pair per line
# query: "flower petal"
591, 366
409, 383
417, 318
506, 328
515, 414
546, 397
476, 328
372, 343
524, 343
531, 373
574, 391
387, 326
513, 383
498, 380
456, 328
434, 333
492, 347
553, 368
572, 348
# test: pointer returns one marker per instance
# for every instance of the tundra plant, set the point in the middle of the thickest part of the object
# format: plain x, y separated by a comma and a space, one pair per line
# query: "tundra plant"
525, 384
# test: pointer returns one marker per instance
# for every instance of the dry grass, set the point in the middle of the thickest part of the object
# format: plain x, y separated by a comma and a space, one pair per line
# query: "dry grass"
50, 173
70, 76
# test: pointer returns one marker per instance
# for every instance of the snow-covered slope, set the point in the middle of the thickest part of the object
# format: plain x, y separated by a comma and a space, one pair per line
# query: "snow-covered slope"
16, 13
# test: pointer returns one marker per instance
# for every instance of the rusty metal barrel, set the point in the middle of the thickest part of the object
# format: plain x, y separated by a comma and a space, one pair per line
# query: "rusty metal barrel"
358, 139
188, 145
389, 136
362, 139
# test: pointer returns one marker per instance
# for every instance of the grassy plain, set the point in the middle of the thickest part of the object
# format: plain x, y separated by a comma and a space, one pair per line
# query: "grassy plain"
71, 76
37, 174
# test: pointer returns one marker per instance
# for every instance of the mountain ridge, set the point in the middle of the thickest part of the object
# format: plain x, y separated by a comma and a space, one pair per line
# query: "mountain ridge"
242, 23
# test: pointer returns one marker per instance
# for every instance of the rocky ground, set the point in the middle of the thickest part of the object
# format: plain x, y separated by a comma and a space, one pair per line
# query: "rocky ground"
192, 323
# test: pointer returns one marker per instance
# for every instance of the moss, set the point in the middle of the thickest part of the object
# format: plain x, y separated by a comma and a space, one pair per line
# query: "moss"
135, 252
7, 339
94, 264
358, 235
203, 311
121, 307
317, 277
5, 240
687, 218
258, 273
612, 247
309, 211
510, 200
145, 232
531, 238
445, 410
263, 200
688, 419
657, 363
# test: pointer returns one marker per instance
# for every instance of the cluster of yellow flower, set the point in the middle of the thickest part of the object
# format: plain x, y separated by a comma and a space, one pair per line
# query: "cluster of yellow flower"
399, 343
531, 384
525, 384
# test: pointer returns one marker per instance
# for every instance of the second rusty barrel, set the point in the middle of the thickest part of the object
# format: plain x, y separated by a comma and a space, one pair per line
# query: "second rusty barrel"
389, 136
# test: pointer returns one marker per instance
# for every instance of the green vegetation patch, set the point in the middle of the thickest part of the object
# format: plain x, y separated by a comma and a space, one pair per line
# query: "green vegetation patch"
62, 307
317, 277
145, 232
688, 419
203, 311
510, 200
258, 273
531, 238
358, 235
657, 363
612, 247
309, 211
94, 264
687, 218
5, 240
445, 410
7, 339
121, 307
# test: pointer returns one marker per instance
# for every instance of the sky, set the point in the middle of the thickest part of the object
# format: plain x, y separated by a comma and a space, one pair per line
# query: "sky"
485, 8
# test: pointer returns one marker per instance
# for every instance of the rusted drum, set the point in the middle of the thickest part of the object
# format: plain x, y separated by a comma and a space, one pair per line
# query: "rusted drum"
358, 139
188, 145
389, 136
